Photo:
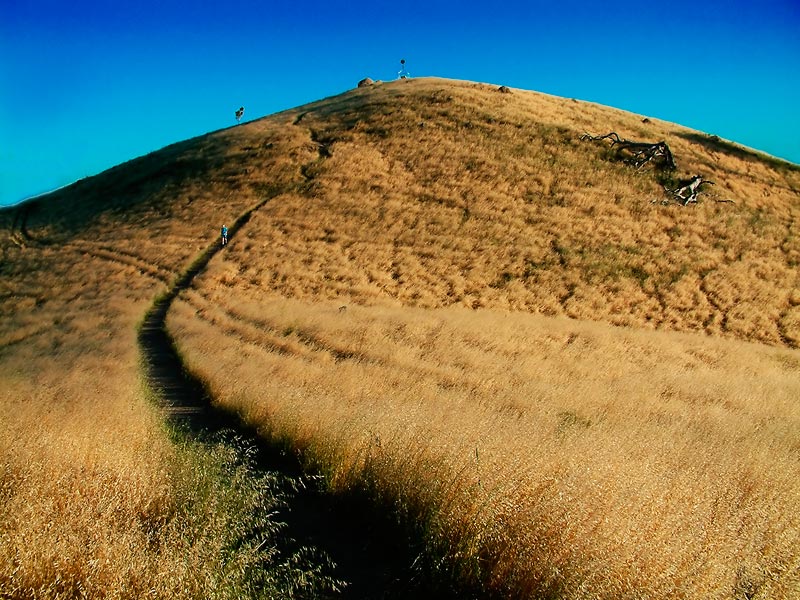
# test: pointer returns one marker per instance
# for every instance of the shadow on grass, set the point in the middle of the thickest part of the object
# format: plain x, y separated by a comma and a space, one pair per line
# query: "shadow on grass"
717, 144
377, 556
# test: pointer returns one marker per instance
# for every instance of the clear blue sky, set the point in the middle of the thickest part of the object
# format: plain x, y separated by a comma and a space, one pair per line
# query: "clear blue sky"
86, 85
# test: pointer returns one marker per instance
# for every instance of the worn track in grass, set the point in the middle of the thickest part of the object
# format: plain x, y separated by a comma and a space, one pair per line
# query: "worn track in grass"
371, 552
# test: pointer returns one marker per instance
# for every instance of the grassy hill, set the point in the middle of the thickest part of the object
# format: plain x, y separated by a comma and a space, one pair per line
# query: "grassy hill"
448, 301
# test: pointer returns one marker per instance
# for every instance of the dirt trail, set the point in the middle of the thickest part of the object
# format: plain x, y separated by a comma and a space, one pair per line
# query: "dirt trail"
371, 552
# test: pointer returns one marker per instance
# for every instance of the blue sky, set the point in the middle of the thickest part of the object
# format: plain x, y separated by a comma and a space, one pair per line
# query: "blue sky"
86, 85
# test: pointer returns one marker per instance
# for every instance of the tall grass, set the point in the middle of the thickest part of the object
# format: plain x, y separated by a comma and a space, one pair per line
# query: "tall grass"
97, 497
124, 508
448, 303
481, 199
545, 457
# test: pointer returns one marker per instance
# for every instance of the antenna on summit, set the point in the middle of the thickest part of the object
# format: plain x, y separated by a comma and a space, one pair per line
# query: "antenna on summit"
402, 73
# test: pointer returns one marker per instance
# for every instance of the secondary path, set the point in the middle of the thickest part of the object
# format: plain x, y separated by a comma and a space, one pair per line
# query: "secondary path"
370, 551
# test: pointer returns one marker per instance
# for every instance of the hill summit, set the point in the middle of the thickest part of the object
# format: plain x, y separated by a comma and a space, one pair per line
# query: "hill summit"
442, 296
432, 193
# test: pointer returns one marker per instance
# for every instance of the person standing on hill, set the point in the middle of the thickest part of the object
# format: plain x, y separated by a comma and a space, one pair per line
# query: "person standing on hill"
224, 235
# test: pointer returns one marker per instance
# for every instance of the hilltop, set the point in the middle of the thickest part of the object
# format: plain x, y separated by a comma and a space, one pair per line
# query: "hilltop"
445, 299
436, 192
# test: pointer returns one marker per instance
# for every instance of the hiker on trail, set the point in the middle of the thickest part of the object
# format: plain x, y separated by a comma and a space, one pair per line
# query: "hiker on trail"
224, 235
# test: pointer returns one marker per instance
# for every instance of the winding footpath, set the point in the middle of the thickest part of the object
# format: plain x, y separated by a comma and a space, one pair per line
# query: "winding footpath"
370, 551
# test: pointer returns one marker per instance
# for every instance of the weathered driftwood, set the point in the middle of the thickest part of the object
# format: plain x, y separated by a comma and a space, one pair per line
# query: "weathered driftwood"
639, 154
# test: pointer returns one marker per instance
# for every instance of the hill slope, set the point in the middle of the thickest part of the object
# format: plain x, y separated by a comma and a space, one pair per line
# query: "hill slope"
435, 194
394, 312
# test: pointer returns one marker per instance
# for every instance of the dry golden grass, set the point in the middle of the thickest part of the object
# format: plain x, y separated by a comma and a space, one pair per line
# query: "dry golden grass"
97, 498
84, 456
578, 391
437, 194
99, 501
546, 455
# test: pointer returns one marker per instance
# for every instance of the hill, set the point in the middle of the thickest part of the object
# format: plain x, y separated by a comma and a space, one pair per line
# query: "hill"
446, 300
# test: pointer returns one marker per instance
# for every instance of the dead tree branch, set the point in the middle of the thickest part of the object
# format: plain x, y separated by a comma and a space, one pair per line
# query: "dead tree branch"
639, 154
687, 190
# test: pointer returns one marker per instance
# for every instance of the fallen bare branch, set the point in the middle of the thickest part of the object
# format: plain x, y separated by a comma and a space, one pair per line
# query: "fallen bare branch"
688, 190
639, 154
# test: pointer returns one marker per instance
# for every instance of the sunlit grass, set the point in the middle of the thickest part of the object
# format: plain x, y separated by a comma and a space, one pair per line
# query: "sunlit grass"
546, 456
450, 303
122, 506
539, 454
98, 497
